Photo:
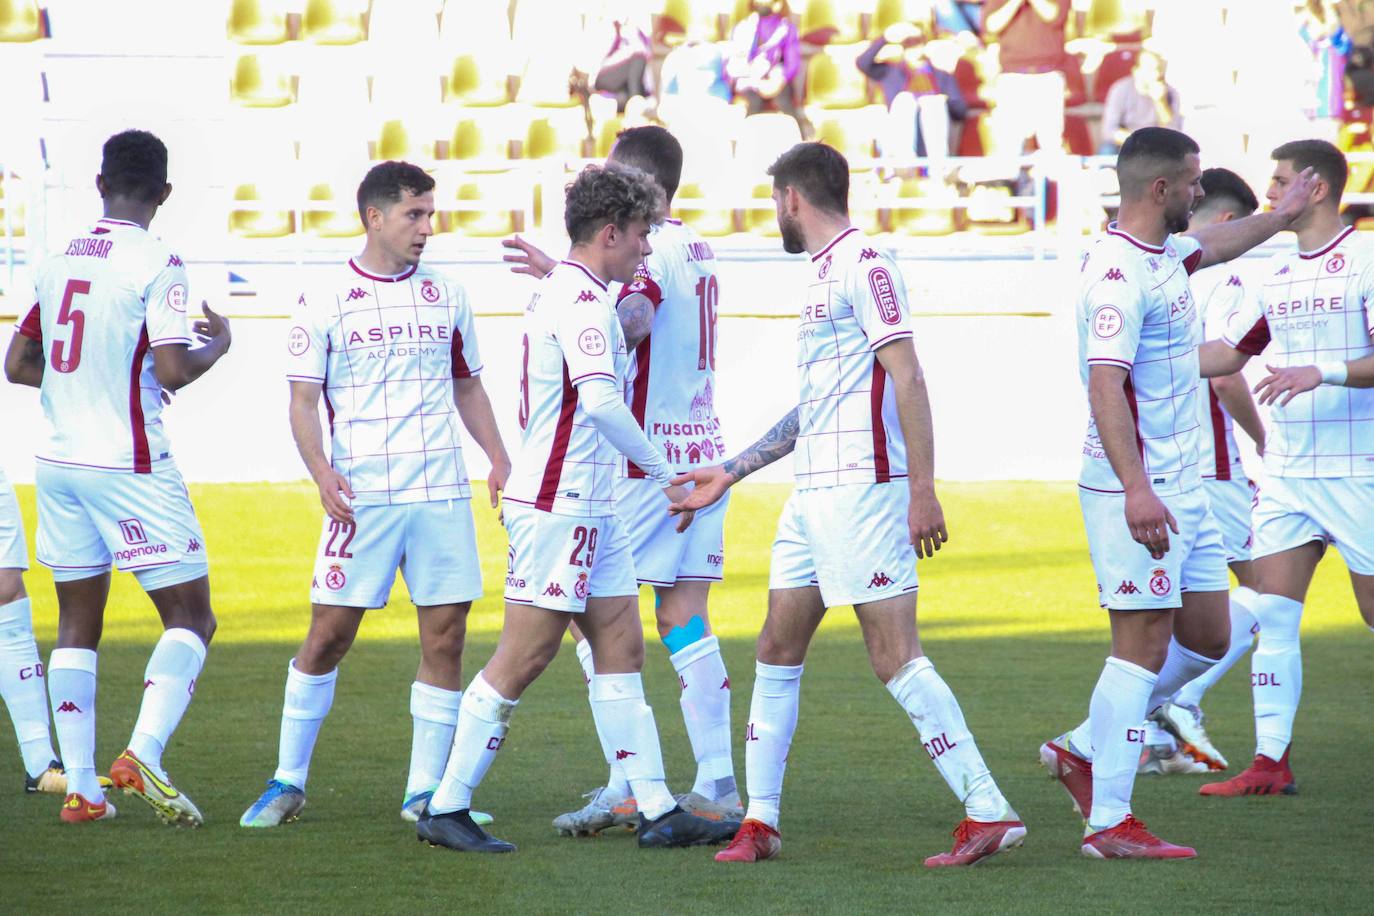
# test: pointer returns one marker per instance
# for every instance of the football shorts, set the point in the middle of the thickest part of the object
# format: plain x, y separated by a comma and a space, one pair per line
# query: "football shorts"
662, 555
1334, 510
557, 562
14, 550
1232, 502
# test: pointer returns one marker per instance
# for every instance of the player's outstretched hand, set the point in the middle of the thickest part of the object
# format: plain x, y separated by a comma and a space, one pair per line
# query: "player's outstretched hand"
496, 481
676, 496
1287, 383
925, 520
1296, 199
709, 485
333, 489
530, 261
1149, 521
213, 328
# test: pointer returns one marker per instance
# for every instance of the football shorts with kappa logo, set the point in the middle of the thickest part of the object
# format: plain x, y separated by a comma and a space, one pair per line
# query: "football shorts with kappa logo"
557, 562
1294, 511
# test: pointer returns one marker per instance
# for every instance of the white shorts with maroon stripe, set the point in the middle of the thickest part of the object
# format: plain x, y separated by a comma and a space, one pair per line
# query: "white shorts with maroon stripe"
662, 555
1334, 510
557, 562
1232, 501
850, 540
14, 550
143, 523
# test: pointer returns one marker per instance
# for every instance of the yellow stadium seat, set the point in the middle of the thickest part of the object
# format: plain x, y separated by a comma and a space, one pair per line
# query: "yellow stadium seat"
478, 78
909, 220
484, 134
259, 224
490, 220
257, 83
21, 20
701, 209
853, 132
762, 220
890, 12
824, 21
556, 134
606, 133
1120, 19
339, 220
15, 215
409, 139
699, 17
335, 22
258, 22
832, 79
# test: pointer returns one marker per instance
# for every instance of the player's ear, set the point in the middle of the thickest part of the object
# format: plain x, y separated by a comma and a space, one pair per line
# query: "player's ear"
608, 235
100, 184
1159, 189
166, 193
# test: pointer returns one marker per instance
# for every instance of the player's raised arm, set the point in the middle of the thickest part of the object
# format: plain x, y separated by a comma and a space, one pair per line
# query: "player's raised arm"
925, 517
1225, 241
638, 300
710, 483
177, 365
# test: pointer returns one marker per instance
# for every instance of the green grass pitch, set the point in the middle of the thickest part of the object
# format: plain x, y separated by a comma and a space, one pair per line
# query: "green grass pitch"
1007, 614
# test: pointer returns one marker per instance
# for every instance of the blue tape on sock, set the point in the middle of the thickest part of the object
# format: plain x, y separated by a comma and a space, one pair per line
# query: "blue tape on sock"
679, 638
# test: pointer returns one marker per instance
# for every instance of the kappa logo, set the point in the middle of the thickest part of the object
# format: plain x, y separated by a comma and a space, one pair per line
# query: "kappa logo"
1283, 270
725, 684
335, 578
1127, 587
147, 683
556, 590
356, 293
1234, 281
867, 255
1114, 273
880, 580
586, 296
301, 300
193, 546
174, 261
68, 706
623, 754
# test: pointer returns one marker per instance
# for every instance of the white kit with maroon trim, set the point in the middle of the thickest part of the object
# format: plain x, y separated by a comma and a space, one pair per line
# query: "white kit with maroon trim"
1136, 311
1220, 292
100, 306
1314, 307
672, 392
386, 350
571, 335
848, 428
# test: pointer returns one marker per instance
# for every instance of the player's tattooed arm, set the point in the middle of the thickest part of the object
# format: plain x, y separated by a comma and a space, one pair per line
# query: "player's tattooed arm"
24, 361
636, 313
777, 443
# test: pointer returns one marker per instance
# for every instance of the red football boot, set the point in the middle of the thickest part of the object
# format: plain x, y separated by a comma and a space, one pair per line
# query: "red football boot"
1073, 772
1265, 776
1130, 840
976, 840
755, 842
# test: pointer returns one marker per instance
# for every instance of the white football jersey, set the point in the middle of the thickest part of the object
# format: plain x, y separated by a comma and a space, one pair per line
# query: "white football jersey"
113, 294
386, 350
1220, 292
1315, 307
673, 391
848, 428
1136, 311
571, 334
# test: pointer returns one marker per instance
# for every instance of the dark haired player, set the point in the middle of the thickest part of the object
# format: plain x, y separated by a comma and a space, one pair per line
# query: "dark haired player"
390, 344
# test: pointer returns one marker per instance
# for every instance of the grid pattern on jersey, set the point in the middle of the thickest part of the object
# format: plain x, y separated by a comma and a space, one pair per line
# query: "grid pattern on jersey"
1219, 291
394, 424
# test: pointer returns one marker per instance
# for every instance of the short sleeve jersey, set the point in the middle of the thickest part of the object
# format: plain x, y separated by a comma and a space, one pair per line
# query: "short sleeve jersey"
571, 335
112, 295
1220, 293
673, 389
1136, 311
1315, 307
847, 414
386, 350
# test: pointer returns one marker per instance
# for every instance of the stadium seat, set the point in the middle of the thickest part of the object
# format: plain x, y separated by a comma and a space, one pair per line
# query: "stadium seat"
924, 220
701, 206
21, 20
1114, 66
891, 12
478, 79
824, 21
762, 220
853, 132
335, 22
555, 134
1117, 20
495, 218
259, 224
681, 16
411, 139
483, 137
1078, 137
259, 81
339, 219
258, 22
605, 133
833, 80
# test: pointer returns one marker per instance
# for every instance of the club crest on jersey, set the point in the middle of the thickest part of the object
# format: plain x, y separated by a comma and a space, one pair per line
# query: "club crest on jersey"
297, 341
586, 296
583, 587
591, 342
1159, 582
825, 268
884, 295
335, 578
1335, 263
1107, 322
429, 292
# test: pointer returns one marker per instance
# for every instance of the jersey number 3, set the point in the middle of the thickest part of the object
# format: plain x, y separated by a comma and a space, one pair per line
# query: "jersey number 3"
66, 357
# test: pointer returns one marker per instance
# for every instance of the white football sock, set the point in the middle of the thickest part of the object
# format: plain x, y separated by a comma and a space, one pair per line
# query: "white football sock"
1117, 712
23, 688
628, 724
483, 720
434, 714
168, 683
1276, 673
706, 712
1081, 739
768, 737
308, 699
1181, 665
71, 686
1243, 630
616, 783
927, 699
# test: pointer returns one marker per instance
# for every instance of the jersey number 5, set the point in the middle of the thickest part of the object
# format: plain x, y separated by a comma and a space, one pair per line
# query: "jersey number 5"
66, 357
708, 296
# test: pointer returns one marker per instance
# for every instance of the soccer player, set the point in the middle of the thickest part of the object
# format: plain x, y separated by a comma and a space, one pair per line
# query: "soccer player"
1220, 292
668, 316
390, 344
107, 335
863, 510
569, 555
1138, 334
1313, 316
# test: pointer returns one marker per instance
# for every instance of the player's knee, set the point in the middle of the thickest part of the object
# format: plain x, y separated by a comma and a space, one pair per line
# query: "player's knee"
776, 651
322, 651
11, 586
678, 636
1278, 617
